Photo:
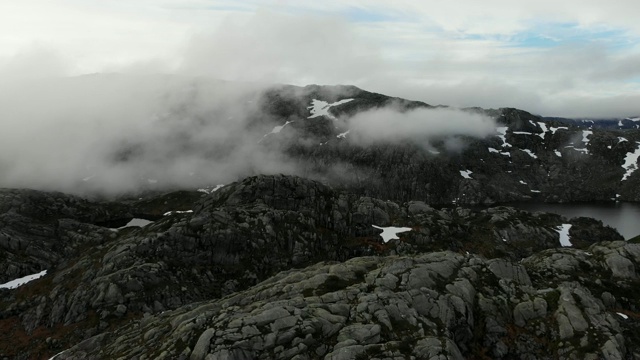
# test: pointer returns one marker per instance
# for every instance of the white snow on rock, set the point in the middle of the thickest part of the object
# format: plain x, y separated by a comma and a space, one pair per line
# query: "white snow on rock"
621, 139
620, 123
23, 280
563, 230
543, 126
56, 355
585, 136
530, 153
623, 315
321, 108
211, 190
466, 173
177, 212
343, 135
391, 232
535, 191
554, 129
582, 150
137, 222
502, 134
492, 150
522, 182
277, 129
558, 153
522, 133
631, 162
434, 152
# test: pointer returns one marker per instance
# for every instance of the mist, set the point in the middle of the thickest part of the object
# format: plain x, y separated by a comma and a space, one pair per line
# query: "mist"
391, 125
115, 134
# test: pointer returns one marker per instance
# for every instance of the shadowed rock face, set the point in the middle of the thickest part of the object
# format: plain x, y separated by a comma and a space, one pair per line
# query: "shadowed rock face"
100, 279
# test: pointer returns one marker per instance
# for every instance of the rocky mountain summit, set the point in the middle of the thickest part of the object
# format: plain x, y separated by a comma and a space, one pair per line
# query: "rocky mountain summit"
282, 266
349, 248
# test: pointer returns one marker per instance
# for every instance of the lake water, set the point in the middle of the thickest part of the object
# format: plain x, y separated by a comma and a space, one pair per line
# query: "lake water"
624, 217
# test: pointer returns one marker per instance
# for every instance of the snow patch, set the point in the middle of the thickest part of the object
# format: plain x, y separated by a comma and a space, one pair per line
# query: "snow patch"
137, 222
554, 129
558, 153
56, 355
623, 315
543, 126
502, 134
621, 139
343, 135
530, 153
582, 150
535, 191
391, 232
585, 136
23, 280
563, 230
631, 162
492, 150
211, 190
466, 173
277, 129
177, 212
321, 108
522, 182
522, 133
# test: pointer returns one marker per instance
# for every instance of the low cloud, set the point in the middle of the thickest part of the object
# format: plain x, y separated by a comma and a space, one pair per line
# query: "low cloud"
391, 125
114, 134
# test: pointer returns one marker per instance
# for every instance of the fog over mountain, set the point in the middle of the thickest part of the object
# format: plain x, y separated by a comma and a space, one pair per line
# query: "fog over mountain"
120, 133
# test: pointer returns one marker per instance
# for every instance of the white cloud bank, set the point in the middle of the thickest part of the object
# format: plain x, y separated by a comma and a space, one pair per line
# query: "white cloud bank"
391, 125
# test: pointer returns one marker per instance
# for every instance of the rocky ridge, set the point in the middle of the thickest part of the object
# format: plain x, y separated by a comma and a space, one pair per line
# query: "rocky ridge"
234, 239
438, 305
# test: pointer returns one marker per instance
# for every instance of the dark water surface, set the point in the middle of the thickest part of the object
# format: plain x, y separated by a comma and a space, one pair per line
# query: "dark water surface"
624, 217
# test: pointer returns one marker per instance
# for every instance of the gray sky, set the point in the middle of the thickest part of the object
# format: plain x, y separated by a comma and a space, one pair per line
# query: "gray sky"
566, 58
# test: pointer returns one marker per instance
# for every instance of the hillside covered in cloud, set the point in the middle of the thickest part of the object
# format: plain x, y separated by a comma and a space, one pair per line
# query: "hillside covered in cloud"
118, 135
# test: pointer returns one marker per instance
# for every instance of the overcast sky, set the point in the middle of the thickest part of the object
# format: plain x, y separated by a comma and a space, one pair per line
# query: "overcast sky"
569, 58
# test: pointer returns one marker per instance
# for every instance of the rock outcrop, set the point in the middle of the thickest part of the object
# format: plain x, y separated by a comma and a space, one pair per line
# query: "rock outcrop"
233, 239
441, 305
